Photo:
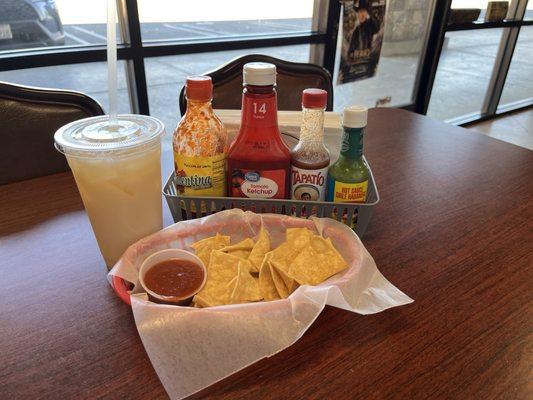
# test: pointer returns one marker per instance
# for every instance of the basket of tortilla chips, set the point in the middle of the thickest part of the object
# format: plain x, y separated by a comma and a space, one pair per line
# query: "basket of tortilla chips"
268, 278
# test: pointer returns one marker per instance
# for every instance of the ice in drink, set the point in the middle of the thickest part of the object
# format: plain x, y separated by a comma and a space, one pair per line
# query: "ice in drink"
118, 174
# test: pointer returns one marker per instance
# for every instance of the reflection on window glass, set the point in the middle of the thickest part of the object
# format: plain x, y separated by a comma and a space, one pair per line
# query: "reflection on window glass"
468, 10
519, 81
471, 10
405, 32
27, 24
209, 19
529, 11
166, 75
89, 78
464, 72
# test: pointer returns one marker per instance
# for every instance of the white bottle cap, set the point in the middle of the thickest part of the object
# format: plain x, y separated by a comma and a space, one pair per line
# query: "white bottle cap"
355, 116
259, 74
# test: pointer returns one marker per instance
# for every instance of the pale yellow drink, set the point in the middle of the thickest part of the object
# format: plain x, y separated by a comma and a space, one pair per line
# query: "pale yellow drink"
119, 182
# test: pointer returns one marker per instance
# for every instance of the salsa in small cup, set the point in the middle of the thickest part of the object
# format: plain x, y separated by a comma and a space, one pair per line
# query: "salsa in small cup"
172, 276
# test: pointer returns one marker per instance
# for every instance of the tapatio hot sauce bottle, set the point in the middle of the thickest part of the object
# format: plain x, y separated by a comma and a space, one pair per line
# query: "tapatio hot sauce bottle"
310, 158
258, 159
200, 143
348, 176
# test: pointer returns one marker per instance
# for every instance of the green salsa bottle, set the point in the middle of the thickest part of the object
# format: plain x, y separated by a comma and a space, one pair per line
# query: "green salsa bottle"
348, 176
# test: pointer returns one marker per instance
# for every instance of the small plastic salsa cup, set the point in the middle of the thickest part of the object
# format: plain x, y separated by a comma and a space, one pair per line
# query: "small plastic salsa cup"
179, 259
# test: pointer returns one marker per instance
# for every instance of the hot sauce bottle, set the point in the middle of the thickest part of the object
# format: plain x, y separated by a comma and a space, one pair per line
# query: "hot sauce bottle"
310, 158
348, 176
200, 143
258, 159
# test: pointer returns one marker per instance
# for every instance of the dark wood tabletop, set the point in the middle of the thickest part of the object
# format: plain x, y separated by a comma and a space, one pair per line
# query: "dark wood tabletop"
453, 230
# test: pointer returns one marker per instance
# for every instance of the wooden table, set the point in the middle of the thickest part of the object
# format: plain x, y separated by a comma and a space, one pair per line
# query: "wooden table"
453, 230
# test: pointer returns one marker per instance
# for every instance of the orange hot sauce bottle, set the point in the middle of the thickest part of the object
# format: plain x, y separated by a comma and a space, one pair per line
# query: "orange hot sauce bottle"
259, 162
200, 143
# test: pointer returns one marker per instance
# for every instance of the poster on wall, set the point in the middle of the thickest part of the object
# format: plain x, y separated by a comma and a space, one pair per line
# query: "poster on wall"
362, 36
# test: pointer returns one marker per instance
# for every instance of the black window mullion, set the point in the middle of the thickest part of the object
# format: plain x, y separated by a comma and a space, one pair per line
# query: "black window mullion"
332, 32
156, 49
432, 54
49, 58
136, 71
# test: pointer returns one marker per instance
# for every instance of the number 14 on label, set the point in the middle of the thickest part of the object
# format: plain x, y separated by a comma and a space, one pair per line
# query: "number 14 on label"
262, 108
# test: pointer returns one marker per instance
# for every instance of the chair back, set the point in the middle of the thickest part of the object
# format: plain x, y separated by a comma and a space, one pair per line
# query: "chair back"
292, 78
29, 117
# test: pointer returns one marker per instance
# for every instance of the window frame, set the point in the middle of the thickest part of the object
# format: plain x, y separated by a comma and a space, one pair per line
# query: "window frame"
322, 37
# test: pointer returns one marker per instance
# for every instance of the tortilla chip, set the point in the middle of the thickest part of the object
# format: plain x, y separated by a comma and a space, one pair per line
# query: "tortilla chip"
218, 239
242, 254
241, 249
200, 302
304, 259
221, 270
290, 283
261, 247
322, 245
317, 263
246, 244
204, 247
297, 239
284, 254
281, 288
246, 287
299, 236
266, 284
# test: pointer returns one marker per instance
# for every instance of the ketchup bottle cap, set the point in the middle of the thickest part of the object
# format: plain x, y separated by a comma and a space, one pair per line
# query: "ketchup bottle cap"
259, 74
314, 98
199, 88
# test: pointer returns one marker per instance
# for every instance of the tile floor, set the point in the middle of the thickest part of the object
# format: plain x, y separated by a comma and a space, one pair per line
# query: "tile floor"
516, 128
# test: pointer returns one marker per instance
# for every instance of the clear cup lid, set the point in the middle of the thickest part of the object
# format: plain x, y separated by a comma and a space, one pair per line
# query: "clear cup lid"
97, 134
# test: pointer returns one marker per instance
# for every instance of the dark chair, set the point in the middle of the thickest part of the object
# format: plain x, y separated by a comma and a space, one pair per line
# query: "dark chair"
291, 80
29, 117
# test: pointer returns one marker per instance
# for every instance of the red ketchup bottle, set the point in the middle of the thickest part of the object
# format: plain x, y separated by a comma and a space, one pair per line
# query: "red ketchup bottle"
259, 162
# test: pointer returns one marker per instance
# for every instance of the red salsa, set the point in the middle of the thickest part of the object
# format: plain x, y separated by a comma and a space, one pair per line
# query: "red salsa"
175, 278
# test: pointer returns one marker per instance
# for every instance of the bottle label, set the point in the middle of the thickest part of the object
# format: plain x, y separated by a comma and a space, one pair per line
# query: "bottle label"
352, 142
269, 184
308, 184
260, 111
200, 176
347, 192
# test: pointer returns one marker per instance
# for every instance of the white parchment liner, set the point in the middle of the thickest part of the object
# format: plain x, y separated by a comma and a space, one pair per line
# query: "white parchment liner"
192, 348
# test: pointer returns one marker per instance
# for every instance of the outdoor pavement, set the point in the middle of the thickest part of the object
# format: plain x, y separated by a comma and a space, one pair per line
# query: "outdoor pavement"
462, 78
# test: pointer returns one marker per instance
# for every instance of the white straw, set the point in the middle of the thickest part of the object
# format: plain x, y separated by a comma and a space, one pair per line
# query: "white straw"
112, 60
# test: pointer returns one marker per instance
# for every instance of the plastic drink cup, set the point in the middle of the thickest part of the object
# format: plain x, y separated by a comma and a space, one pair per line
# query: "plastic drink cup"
117, 169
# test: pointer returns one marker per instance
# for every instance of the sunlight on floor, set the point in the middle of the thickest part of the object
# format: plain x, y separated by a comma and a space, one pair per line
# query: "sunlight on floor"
515, 128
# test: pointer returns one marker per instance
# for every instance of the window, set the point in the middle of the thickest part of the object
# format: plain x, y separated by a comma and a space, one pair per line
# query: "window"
464, 72
528, 16
519, 82
213, 19
474, 7
166, 75
61, 43
34, 24
89, 78
406, 30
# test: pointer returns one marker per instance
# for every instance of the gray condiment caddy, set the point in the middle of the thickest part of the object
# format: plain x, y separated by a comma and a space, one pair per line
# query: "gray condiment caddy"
182, 207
